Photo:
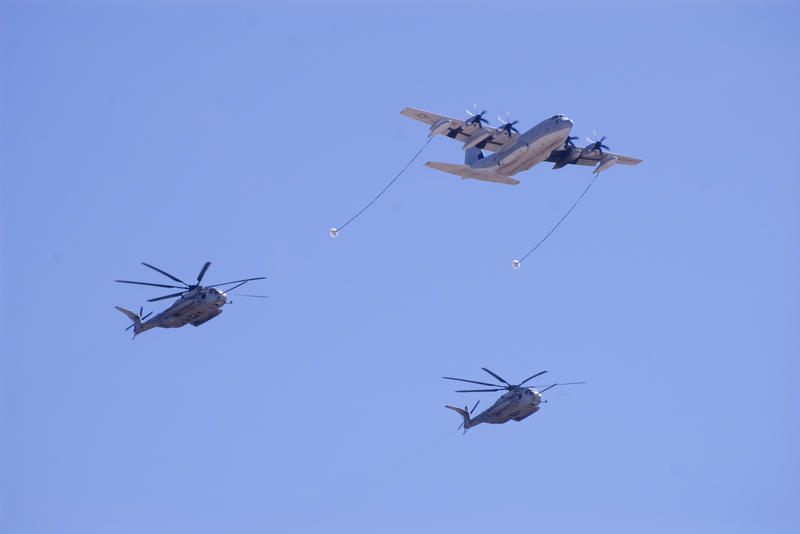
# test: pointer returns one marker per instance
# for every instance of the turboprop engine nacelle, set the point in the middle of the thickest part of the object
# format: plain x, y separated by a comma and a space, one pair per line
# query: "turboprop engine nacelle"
605, 163
439, 127
477, 138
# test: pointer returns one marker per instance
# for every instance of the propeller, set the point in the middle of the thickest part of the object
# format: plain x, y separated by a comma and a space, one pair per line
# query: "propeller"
563, 384
507, 127
239, 282
141, 309
596, 145
146, 284
165, 273
178, 294
475, 117
496, 376
568, 141
494, 387
186, 287
473, 408
470, 412
203, 272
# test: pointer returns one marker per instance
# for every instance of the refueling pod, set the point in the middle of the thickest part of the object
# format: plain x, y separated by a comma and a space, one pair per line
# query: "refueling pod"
605, 163
439, 127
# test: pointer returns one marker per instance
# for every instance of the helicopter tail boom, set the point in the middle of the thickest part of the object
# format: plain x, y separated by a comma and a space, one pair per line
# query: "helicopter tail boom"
464, 414
133, 316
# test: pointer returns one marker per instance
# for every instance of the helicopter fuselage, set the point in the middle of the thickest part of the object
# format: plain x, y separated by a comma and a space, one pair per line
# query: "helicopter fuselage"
194, 307
517, 404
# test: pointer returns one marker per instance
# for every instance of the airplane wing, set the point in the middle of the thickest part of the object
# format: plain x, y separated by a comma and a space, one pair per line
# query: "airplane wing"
465, 171
458, 130
579, 156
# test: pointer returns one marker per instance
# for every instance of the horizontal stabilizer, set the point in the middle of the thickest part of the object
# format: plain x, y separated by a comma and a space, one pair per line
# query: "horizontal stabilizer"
465, 171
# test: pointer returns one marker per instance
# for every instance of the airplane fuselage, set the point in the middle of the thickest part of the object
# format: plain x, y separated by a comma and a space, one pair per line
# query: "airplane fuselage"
530, 148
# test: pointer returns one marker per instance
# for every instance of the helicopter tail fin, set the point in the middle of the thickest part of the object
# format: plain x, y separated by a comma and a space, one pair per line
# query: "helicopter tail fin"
464, 414
133, 316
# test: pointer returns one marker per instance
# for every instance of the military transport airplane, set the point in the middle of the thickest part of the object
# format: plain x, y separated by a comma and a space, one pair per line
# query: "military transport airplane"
514, 152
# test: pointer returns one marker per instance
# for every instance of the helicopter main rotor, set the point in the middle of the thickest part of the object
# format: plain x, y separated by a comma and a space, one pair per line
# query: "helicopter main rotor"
186, 287
495, 387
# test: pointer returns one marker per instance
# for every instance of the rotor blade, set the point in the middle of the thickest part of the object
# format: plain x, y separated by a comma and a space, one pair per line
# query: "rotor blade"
496, 376
237, 281
146, 316
147, 284
165, 273
474, 382
203, 271
166, 296
560, 384
548, 387
473, 408
531, 377
478, 390
234, 287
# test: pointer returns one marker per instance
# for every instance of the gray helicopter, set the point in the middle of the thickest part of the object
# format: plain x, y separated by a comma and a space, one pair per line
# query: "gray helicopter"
196, 304
518, 403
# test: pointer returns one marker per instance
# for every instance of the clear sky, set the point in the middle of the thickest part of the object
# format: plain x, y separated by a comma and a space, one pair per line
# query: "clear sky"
177, 133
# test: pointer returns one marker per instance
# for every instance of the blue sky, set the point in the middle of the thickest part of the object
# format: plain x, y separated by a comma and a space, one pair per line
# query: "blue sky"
178, 133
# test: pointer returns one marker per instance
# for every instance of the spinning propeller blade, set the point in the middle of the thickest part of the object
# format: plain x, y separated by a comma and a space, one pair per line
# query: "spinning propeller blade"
147, 284
166, 296
141, 309
473, 382
531, 377
596, 145
475, 117
203, 272
507, 127
496, 376
473, 408
165, 273
237, 281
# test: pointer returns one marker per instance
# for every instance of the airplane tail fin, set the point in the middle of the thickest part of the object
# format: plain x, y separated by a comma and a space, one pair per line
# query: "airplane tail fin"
472, 155
133, 316
464, 413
